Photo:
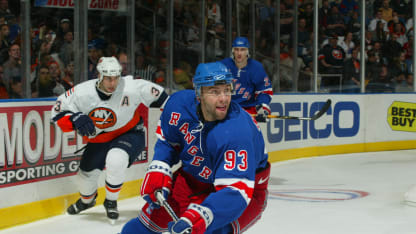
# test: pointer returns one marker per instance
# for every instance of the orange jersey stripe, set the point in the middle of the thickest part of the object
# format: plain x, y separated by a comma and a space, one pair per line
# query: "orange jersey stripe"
112, 190
65, 124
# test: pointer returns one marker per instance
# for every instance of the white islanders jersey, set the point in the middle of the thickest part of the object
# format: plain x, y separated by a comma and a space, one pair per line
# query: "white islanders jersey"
112, 117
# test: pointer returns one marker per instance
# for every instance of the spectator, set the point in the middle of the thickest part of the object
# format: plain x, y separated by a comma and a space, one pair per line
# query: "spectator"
373, 23
4, 42
14, 36
409, 24
376, 48
406, 85
160, 78
386, 11
286, 22
144, 70
395, 20
64, 27
335, 22
16, 88
354, 24
373, 67
216, 42
408, 47
56, 76
213, 11
3, 90
94, 54
4, 7
266, 11
12, 67
45, 82
286, 70
391, 48
66, 51
399, 81
347, 44
303, 32
352, 69
384, 77
323, 15
401, 7
399, 65
182, 76
68, 80
331, 60
347, 7
306, 12
379, 34
123, 60
399, 31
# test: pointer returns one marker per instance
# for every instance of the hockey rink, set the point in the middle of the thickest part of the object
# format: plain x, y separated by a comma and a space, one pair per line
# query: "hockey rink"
342, 194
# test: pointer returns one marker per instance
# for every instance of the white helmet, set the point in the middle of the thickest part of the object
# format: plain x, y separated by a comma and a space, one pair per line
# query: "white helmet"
108, 66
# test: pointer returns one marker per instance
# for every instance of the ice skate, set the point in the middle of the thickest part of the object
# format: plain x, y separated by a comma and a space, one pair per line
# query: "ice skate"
111, 209
410, 197
80, 206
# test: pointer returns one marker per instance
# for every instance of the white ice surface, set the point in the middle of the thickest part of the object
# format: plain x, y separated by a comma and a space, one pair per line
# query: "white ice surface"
307, 196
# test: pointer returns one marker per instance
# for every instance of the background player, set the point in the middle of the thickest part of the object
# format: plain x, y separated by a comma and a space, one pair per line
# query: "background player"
251, 83
106, 112
222, 183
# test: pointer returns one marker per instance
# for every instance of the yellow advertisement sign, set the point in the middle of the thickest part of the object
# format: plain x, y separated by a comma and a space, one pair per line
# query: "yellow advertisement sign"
401, 116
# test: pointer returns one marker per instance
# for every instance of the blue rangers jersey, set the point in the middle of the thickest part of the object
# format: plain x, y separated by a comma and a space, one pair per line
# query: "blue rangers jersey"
251, 83
224, 153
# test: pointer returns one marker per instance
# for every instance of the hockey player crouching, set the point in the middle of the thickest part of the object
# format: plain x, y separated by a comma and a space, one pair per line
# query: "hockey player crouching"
105, 111
221, 186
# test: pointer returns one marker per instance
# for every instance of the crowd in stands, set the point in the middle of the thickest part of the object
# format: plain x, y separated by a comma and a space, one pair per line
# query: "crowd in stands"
388, 44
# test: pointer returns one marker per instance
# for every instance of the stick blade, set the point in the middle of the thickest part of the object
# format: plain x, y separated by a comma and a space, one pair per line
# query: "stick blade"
323, 110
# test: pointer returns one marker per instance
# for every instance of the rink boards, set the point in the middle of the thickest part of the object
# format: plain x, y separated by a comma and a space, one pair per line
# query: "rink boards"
38, 164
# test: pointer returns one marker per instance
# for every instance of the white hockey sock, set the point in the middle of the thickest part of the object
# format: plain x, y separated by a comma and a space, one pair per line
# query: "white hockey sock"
116, 167
88, 184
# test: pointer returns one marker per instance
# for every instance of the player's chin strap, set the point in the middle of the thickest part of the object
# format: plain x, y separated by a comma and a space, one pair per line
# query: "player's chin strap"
97, 85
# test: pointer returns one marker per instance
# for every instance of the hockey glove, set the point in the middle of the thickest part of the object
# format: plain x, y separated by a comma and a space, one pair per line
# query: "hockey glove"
263, 110
83, 124
196, 219
158, 178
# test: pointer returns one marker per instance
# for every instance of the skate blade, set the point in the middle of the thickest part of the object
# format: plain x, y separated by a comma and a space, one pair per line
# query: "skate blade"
112, 221
410, 203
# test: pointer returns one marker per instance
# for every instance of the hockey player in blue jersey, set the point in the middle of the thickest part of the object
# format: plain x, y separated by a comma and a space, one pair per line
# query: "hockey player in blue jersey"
221, 186
253, 88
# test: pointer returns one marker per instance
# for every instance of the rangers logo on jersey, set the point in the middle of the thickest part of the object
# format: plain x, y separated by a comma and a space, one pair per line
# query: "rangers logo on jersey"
103, 117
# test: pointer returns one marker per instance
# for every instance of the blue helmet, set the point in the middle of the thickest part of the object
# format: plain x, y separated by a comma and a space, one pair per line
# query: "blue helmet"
241, 42
210, 74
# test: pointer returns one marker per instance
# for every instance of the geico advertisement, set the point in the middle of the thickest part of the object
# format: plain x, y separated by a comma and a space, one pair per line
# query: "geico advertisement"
401, 116
34, 149
341, 120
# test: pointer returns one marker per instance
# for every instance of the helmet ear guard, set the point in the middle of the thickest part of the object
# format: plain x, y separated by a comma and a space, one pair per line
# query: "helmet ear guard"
211, 74
240, 42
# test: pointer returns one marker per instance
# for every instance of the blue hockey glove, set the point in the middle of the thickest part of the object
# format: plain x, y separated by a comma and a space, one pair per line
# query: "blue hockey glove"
82, 124
195, 219
180, 227
158, 178
263, 110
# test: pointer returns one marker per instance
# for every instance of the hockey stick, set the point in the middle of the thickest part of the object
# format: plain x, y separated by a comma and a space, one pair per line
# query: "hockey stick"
314, 117
161, 199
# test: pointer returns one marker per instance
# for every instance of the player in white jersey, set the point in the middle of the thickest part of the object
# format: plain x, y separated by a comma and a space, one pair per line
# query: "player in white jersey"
106, 112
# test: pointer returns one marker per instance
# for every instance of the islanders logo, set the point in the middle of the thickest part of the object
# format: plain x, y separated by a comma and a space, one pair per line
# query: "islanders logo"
103, 117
